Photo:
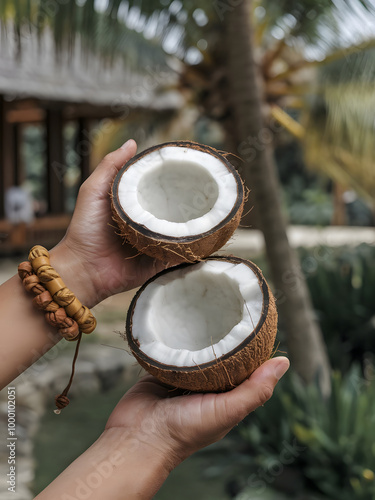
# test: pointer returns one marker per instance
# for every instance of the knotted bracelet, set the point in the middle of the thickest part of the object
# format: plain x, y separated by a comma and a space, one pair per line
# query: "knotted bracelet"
62, 308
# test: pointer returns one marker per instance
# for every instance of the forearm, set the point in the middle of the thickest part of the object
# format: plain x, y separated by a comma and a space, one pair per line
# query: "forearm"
115, 467
25, 335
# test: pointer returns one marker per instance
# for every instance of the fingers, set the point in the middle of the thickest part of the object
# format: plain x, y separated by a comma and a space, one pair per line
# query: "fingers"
235, 405
105, 172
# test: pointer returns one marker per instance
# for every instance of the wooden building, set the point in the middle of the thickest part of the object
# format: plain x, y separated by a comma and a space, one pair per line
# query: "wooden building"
43, 93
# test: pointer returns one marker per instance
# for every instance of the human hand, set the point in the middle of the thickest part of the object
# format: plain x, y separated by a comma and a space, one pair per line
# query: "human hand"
92, 259
150, 432
173, 427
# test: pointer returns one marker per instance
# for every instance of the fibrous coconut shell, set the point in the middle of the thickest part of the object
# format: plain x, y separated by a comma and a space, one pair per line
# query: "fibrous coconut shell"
227, 371
170, 249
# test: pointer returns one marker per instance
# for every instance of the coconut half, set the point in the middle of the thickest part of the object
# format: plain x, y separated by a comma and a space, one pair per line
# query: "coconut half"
203, 327
178, 201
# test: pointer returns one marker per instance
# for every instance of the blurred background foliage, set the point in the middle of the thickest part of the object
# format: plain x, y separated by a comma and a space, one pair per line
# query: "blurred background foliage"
305, 446
317, 64
331, 439
341, 283
317, 61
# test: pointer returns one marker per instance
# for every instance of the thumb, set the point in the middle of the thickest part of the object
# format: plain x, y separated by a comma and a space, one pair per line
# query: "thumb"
105, 172
253, 392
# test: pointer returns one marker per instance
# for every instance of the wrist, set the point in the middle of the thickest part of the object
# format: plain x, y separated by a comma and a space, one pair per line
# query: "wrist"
74, 273
115, 467
160, 458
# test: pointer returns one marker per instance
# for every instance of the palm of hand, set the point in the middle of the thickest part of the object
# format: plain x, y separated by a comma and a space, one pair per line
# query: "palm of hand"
180, 425
113, 265
177, 425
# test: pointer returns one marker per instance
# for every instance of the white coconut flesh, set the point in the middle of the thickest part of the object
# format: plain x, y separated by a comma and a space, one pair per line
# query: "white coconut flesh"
177, 191
196, 314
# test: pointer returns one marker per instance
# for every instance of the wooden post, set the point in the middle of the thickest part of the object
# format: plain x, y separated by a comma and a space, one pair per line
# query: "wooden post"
339, 208
56, 166
7, 157
84, 147
19, 171
2, 187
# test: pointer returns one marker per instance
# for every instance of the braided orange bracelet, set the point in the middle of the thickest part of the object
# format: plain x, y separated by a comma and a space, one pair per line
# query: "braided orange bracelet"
62, 308
39, 259
54, 314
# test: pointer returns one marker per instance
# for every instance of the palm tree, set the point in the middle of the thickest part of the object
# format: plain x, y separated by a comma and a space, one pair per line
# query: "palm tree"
307, 349
246, 116
249, 126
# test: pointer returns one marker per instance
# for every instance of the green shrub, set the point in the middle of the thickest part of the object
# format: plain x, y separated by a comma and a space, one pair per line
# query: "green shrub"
308, 447
313, 207
301, 443
342, 284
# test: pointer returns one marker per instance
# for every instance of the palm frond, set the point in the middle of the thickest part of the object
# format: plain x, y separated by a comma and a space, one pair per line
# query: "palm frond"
341, 166
349, 54
347, 110
339, 162
76, 24
291, 125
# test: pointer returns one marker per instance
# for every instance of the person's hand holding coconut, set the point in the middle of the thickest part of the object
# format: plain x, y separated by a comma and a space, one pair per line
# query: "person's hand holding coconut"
91, 250
153, 428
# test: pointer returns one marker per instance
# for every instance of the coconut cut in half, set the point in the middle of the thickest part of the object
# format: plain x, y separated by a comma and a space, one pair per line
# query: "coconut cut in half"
178, 201
203, 327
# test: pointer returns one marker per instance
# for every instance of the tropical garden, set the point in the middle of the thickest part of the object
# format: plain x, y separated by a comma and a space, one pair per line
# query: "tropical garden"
287, 88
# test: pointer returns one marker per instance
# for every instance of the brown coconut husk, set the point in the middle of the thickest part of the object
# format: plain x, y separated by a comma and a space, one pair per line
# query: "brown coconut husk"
175, 250
229, 370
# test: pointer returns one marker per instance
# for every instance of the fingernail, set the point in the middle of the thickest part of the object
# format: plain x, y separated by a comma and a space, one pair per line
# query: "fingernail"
126, 144
281, 368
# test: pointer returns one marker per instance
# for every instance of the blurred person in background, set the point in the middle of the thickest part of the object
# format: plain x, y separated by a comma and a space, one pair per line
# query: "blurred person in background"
19, 212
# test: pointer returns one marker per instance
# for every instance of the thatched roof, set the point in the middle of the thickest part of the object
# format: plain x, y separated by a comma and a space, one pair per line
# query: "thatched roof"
39, 73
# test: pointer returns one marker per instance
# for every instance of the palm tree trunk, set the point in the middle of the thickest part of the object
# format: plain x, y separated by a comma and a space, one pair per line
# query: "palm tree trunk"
306, 347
